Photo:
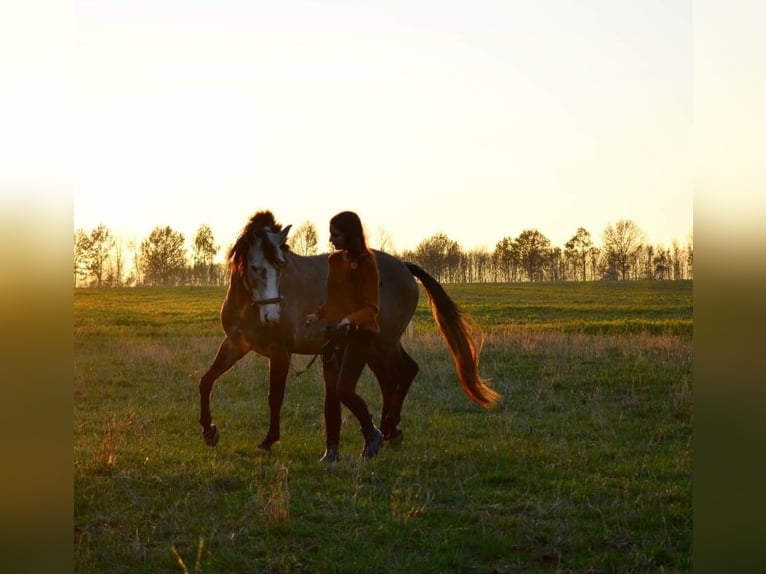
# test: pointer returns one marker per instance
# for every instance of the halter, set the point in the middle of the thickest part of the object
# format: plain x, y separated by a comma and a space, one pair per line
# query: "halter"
259, 302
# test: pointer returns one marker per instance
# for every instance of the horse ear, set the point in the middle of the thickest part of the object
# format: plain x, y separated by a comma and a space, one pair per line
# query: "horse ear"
283, 234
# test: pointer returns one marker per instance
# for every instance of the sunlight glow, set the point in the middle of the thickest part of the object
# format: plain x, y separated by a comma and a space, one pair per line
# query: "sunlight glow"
477, 121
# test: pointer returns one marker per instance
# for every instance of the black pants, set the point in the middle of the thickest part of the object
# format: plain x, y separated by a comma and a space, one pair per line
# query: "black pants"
343, 359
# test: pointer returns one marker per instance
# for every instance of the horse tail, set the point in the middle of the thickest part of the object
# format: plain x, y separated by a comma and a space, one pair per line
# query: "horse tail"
457, 332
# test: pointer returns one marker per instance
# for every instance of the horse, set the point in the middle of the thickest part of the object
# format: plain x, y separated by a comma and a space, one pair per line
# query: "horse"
272, 289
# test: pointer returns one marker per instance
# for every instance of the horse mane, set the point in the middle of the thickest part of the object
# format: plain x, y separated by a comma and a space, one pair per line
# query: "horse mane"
258, 223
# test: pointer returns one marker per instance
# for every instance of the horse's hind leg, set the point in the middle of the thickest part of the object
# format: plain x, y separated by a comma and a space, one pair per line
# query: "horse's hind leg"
228, 354
387, 384
395, 372
406, 371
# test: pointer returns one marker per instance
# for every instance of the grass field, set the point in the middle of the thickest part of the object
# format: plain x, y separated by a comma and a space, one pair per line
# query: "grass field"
585, 465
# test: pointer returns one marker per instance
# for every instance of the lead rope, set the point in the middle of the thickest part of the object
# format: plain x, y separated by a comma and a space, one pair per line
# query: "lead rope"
297, 374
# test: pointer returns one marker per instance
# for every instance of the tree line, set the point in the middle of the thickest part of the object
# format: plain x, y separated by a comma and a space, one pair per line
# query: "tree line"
163, 257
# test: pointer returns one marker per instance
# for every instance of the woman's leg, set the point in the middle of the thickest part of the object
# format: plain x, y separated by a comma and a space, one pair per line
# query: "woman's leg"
354, 359
351, 366
332, 417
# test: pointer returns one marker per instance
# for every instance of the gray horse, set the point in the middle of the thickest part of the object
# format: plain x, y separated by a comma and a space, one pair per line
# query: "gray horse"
271, 290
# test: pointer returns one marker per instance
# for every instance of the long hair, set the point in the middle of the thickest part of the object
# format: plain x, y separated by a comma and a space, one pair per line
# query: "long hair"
349, 224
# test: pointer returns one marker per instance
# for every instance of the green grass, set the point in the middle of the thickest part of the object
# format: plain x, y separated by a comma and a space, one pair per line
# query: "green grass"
595, 307
585, 466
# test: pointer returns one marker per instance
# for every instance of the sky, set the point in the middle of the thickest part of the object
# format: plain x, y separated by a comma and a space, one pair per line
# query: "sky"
473, 119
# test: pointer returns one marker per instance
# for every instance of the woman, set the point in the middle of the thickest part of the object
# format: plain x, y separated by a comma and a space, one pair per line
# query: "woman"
351, 311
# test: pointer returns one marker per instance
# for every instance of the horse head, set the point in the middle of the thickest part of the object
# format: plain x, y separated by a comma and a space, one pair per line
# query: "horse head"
258, 258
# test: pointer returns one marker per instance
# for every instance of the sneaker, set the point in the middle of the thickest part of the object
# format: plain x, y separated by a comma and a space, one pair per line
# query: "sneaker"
373, 440
331, 454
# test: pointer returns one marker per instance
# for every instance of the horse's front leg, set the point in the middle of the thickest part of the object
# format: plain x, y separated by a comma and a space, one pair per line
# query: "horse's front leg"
279, 365
228, 354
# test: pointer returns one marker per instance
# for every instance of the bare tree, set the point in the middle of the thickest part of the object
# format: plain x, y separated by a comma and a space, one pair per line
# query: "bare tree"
646, 254
101, 244
554, 264
594, 261
478, 264
621, 244
506, 259
534, 249
662, 264
163, 257
305, 239
439, 255
677, 261
91, 255
100, 260
690, 255
116, 276
135, 277
383, 241
203, 254
81, 249
576, 250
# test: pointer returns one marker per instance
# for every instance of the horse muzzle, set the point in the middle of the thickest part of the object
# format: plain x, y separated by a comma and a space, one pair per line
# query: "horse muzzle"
269, 313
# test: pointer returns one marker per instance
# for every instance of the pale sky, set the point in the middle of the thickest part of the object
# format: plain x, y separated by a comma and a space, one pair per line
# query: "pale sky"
477, 119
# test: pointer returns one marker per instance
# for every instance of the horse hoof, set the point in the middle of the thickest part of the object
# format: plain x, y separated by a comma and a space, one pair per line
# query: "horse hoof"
267, 443
396, 438
211, 435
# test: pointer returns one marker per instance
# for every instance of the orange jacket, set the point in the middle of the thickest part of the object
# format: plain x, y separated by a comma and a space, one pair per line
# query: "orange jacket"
352, 291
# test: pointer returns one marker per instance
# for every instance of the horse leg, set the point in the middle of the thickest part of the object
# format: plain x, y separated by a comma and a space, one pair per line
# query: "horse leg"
387, 385
407, 370
279, 365
228, 354
395, 372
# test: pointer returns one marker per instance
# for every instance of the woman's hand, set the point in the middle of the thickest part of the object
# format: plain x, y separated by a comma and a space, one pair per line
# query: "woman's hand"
343, 322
